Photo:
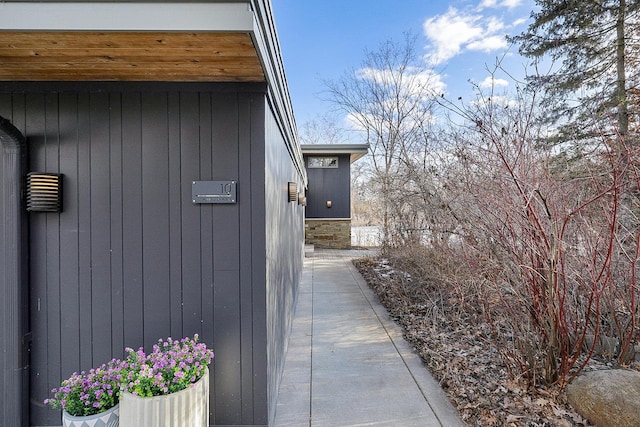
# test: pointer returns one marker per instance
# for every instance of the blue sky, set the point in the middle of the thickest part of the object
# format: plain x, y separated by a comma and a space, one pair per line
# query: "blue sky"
323, 39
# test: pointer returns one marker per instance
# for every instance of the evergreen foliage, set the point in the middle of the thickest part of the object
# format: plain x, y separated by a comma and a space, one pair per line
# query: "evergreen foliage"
591, 46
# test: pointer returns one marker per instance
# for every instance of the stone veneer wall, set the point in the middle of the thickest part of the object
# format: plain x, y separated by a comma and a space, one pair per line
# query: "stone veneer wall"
328, 233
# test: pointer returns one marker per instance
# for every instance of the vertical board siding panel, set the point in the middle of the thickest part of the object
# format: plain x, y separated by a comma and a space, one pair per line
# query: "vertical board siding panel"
132, 219
225, 167
205, 288
207, 228
317, 197
116, 231
314, 197
5, 107
336, 185
190, 171
276, 207
206, 284
256, 120
34, 131
69, 245
175, 215
51, 134
344, 182
228, 370
226, 301
246, 198
100, 229
84, 231
18, 112
155, 209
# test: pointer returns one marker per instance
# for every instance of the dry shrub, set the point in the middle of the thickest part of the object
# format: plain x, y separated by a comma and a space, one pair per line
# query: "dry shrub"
442, 278
450, 314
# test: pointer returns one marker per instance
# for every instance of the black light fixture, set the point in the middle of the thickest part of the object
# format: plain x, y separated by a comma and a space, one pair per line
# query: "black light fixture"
44, 192
293, 191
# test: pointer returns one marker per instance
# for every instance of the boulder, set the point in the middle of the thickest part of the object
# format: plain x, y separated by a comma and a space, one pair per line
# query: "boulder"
607, 397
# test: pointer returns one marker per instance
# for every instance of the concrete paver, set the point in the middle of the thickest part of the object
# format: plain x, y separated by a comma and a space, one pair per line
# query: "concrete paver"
347, 363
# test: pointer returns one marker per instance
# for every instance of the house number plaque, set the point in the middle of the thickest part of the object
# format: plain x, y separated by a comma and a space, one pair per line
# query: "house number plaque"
213, 192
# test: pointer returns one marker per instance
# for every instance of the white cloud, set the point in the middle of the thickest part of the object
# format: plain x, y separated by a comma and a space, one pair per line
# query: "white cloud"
488, 3
456, 31
494, 25
448, 33
489, 82
510, 4
351, 121
488, 44
519, 22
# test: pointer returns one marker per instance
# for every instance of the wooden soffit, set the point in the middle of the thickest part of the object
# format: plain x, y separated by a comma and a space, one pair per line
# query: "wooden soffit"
129, 56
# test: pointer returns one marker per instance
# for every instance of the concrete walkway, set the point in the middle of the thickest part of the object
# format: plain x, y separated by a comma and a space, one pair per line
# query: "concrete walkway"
347, 362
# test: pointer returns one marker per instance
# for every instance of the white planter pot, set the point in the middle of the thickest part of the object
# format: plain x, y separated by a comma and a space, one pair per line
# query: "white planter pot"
108, 418
188, 408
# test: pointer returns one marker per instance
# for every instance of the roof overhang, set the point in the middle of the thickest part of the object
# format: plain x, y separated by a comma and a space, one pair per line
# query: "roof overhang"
168, 41
116, 41
355, 151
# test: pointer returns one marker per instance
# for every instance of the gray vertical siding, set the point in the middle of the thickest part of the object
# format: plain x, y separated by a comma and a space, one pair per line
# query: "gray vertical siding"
284, 231
131, 259
329, 184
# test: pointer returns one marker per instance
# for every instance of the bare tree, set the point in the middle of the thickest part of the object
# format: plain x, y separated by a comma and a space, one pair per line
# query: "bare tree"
325, 129
389, 99
548, 239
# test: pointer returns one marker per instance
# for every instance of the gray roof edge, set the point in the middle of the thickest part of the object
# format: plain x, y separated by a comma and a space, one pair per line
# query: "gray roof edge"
268, 46
356, 151
126, 16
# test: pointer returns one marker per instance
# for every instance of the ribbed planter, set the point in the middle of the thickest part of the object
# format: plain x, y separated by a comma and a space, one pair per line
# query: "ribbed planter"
108, 418
188, 408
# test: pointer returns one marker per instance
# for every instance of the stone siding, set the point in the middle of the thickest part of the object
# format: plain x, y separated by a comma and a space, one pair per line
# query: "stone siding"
328, 233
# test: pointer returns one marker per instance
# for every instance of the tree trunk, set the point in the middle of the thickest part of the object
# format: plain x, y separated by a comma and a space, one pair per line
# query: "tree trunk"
621, 98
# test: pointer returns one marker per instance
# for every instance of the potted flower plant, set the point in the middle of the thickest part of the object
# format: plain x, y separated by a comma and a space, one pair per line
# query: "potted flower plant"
167, 387
90, 398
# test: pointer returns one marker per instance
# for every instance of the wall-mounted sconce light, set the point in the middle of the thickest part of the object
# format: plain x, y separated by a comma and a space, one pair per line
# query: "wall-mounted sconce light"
293, 191
44, 192
329, 204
